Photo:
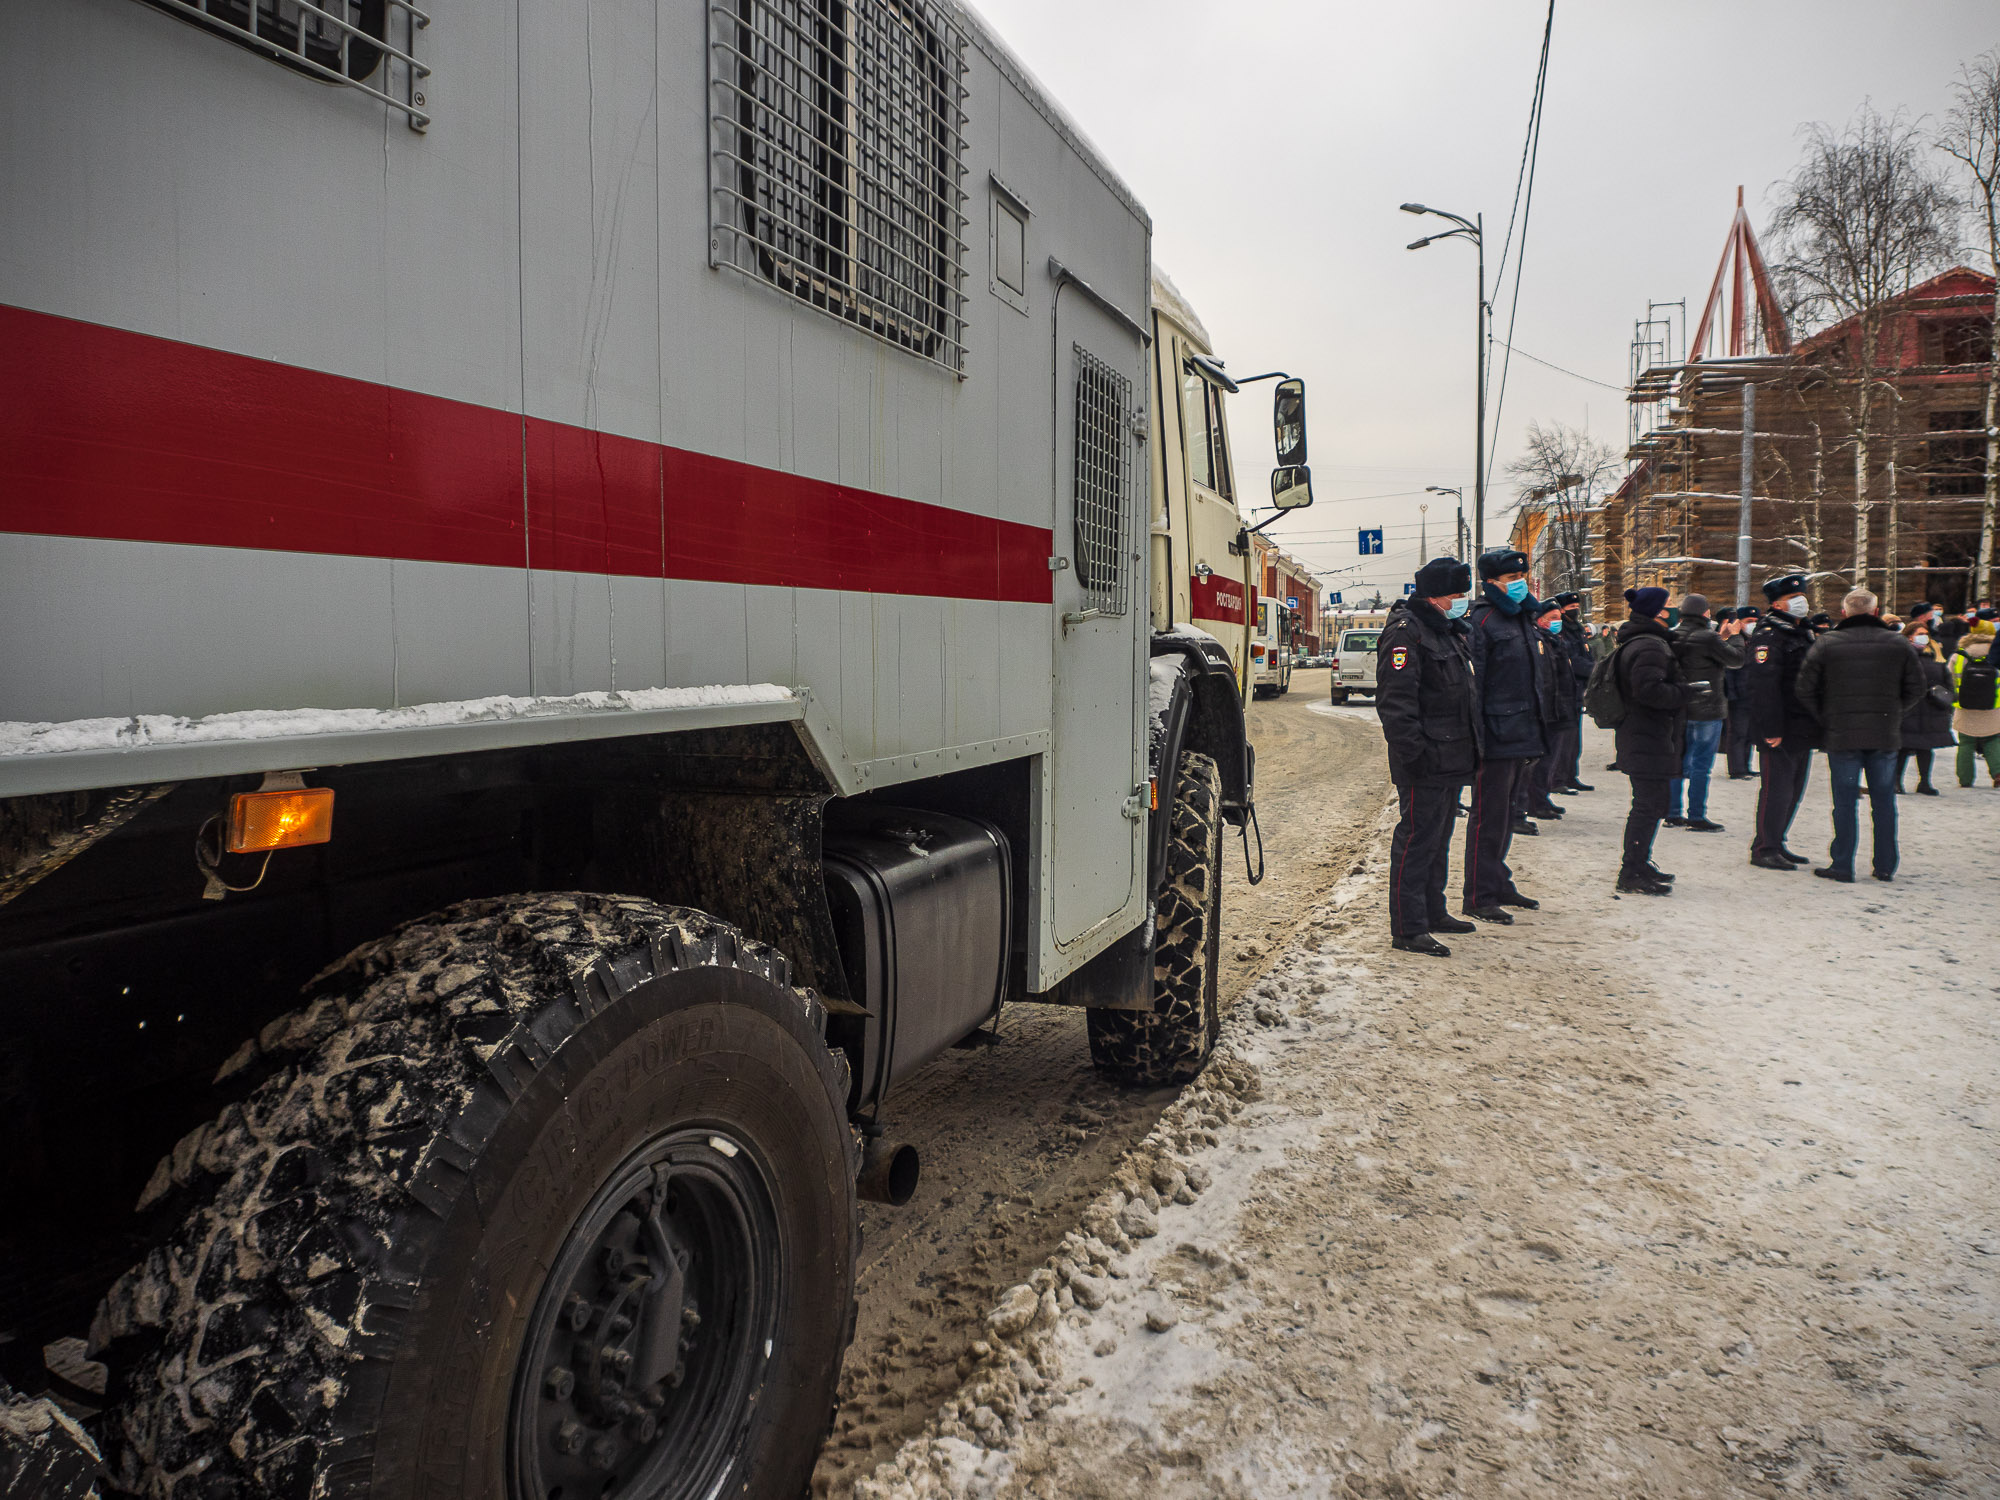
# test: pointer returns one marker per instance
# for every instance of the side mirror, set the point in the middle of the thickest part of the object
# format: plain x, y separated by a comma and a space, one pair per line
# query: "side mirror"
1288, 419
1292, 488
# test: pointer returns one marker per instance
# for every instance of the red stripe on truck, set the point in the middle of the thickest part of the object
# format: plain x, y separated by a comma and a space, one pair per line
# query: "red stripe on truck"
118, 435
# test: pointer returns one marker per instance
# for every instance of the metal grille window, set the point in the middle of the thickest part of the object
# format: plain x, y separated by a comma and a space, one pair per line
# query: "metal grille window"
368, 45
837, 132
1103, 483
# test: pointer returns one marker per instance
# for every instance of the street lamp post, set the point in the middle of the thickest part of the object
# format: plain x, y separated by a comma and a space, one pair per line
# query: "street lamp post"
1458, 526
1470, 229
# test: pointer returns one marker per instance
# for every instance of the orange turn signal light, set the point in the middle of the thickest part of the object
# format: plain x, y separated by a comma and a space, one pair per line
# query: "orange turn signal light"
279, 820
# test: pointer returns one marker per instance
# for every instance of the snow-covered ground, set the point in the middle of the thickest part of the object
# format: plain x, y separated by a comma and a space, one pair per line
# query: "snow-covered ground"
1692, 1196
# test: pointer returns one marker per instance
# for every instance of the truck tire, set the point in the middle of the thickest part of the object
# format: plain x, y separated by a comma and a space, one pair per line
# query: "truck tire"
539, 1195
1340, 695
1173, 1041
43, 1454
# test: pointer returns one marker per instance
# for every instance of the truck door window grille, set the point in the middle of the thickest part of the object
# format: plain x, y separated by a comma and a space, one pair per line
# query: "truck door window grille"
1103, 483
837, 139
369, 45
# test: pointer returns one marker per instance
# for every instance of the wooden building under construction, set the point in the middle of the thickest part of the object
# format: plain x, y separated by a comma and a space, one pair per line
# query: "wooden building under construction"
1870, 477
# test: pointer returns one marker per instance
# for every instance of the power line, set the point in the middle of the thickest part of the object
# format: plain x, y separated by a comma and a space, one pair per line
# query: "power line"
1531, 155
1552, 365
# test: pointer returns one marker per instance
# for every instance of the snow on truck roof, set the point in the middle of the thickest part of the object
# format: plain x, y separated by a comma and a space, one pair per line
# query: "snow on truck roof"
1167, 298
1032, 89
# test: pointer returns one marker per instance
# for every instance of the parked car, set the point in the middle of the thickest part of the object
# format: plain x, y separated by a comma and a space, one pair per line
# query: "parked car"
1354, 664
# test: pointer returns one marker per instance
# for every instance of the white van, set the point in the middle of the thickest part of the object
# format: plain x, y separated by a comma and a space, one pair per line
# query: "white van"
1354, 662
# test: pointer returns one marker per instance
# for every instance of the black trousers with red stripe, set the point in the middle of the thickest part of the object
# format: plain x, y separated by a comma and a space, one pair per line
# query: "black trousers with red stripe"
1489, 832
1420, 855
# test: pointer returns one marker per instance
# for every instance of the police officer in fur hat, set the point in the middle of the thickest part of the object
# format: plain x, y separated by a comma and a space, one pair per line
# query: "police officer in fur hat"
1426, 699
1783, 728
1506, 656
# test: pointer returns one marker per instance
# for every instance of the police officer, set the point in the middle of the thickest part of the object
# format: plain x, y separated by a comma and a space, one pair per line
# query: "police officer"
1504, 661
1575, 646
1559, 705
1783, 728
1425, 698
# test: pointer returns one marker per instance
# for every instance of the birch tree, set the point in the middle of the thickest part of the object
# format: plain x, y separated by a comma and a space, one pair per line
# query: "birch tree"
1863, 218
1971, 135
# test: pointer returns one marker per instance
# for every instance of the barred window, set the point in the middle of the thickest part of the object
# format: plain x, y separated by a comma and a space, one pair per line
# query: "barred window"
837, 130
1103, 483
368, 45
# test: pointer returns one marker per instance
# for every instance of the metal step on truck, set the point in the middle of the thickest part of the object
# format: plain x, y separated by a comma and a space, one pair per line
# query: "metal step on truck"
585, 587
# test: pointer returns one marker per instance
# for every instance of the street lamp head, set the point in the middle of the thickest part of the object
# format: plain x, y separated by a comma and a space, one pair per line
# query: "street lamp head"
1415, 208
1418, 244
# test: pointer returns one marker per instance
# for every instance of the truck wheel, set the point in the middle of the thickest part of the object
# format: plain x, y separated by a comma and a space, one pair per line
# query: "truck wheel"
1340, 695
1172, 1042
541, 1195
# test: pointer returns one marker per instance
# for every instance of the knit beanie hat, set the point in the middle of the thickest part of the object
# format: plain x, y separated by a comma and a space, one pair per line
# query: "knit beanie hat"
1646, 603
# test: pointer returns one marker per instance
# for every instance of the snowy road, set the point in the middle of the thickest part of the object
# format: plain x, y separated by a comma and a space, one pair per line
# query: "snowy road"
1684, 1197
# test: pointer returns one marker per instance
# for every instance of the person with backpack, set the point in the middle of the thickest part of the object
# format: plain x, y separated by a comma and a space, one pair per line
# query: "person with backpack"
1651, 713
1504, 664
1975, 683
1706, 652
1785, 730
1427, 700
1927, 727
1858, 681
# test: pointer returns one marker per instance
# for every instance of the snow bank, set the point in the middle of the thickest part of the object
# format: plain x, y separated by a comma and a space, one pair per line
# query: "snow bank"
142, 730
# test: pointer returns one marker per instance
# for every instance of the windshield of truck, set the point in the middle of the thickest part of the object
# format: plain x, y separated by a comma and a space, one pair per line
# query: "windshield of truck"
1202, 430
1359, 641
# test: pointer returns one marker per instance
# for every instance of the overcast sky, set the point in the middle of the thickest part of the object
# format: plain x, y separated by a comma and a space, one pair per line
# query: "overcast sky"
1272, 141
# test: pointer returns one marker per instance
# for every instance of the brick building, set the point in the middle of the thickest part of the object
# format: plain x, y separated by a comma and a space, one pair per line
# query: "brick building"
1283, 577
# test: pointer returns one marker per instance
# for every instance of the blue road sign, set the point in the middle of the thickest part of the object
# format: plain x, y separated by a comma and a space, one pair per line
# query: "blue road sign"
1409, 589
1334, 597
1291, 601
1371, 541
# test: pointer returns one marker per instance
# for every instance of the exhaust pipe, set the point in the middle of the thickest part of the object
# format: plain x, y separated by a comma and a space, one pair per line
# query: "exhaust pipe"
888, 1173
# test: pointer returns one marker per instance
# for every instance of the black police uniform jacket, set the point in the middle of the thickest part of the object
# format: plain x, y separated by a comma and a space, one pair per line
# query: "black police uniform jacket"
1656, 694
1507, 656
1776, 650
1553, 681
1575, 648
1427, 697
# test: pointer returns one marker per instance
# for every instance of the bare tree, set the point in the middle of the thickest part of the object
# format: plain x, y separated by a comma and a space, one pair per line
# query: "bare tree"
1863, 218
1563, 473
1972, 135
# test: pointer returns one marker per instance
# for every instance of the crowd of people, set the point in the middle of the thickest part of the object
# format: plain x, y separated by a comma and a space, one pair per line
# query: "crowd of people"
1488, 690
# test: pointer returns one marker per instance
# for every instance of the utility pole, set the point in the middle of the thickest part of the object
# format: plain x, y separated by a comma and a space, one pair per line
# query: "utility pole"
1423, 534
1743, 506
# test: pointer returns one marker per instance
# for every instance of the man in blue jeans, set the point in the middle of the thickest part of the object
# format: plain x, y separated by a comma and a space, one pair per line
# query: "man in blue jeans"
1858, 680
1705, 653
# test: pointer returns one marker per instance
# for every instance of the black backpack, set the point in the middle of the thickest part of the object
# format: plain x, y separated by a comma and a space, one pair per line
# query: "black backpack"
1602, 698
1979, 681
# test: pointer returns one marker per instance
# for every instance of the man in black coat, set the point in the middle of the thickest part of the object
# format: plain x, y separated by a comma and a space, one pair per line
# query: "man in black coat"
1427, 701
1706, 651
1650, 740
1858, 681
1575, 646
1783, 727
1504, 663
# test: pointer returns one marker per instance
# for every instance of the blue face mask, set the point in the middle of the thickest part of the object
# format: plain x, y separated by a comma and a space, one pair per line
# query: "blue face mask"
1554, 627
1458, 608
1518, 590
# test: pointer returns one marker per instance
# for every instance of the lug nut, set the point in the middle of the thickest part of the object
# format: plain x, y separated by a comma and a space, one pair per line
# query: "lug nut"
603, 1453
619, 1359
641, 1427
654, 1395
690, 1319
614, 1260
577, 1312
620, 1324
569, 1437
558, 1383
